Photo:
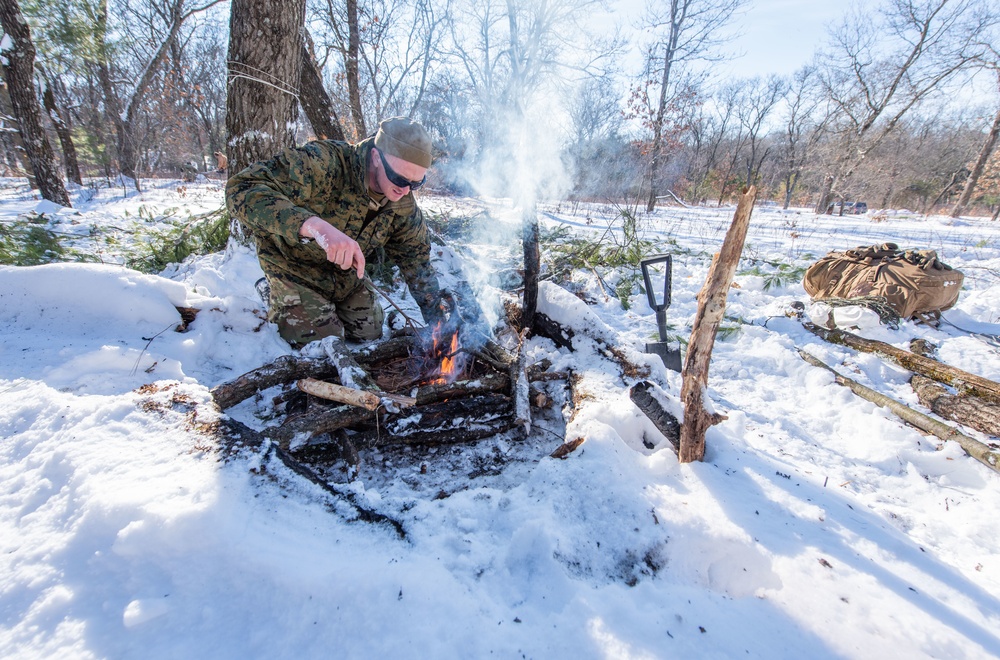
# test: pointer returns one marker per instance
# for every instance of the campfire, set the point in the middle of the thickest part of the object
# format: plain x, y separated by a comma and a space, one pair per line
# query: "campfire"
442, 361
434, 388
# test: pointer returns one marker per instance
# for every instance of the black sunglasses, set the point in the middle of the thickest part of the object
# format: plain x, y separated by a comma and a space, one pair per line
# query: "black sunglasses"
395, 177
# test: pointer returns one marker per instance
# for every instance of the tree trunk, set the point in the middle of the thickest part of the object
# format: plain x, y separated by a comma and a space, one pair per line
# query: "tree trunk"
16, 154
352, 70
265, 60
825, 195
65, 132
18, 73
124, 149
711, 309
977, 169
963, 381
316, 102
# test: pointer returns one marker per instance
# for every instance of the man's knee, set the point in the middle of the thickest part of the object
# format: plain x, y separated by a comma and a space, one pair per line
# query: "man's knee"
302, 315
361, 315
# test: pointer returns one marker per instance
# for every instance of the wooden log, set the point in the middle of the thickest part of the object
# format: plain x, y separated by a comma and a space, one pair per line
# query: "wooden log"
711, 310
456, 420
391, 349
283, 370
339, 393
663, 420
559, 334
963, 381
349, 372
519, 385
463, 388
964, 409
972, 447
304, 426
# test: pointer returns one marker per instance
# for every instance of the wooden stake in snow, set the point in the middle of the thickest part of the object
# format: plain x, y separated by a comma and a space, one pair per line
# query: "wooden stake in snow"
711, 309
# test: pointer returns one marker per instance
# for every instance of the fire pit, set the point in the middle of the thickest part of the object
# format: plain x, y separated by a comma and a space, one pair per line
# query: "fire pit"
406, 390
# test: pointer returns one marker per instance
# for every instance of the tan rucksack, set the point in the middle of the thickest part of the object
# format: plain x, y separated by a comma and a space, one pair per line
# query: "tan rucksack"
915, 283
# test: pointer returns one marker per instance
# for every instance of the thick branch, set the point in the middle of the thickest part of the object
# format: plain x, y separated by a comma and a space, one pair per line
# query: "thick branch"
972, 447
963, 381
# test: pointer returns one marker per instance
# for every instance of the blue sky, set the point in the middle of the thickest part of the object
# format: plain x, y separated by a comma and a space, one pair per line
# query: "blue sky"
779, 36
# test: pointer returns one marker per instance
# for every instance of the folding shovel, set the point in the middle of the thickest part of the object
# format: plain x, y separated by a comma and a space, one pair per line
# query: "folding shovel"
659, 300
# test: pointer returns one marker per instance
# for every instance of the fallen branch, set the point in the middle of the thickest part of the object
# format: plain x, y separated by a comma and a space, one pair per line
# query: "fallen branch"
972, 447
282, 370
963, 381
339, 393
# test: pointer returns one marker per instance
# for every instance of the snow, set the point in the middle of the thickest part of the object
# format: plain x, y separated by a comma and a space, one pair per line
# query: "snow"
818, 526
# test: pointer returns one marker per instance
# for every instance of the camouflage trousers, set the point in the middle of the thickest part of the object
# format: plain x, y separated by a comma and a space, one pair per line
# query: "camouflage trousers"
304, 315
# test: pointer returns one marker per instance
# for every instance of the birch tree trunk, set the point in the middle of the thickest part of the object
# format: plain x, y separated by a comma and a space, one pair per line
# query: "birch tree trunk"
18, 72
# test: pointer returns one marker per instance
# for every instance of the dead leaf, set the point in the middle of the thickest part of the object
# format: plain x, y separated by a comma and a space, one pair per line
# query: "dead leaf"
567, 448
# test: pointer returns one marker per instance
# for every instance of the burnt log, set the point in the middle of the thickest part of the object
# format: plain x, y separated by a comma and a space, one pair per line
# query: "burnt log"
283, 370
484, 384
233, 435
561, 335
963, 381
390, 349
304, 426
708, 317
446, 422
968, 410
663, 420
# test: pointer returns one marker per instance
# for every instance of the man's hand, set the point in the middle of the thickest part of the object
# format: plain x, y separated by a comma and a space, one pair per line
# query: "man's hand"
340, 248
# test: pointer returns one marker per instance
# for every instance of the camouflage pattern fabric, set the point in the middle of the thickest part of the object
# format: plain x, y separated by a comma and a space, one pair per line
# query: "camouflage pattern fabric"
303, 315
328, 179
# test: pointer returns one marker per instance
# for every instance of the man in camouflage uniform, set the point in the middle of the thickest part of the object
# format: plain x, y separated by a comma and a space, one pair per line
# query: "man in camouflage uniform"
318, 212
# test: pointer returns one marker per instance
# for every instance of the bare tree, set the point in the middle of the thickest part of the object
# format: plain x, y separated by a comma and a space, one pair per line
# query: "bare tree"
386, 49
805, 124
993, 62
685, 31
316, 102
18, 73
760, 97
884, 63
265, 58
64, 130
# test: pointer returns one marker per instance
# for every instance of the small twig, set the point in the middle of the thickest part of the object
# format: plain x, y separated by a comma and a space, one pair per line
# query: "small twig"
409, 321
149, 340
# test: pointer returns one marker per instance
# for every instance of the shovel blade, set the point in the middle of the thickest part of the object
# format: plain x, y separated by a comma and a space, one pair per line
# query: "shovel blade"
671, 356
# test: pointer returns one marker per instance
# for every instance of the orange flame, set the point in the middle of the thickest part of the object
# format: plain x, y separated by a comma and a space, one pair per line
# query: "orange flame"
448, 371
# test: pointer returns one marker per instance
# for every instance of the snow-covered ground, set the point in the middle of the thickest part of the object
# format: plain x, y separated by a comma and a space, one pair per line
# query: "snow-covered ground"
818, 526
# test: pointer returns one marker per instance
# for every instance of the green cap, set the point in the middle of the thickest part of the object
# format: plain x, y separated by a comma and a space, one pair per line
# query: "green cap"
406, 139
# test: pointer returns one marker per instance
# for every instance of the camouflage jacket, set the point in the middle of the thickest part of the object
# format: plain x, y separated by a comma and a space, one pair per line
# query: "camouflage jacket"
329, 179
